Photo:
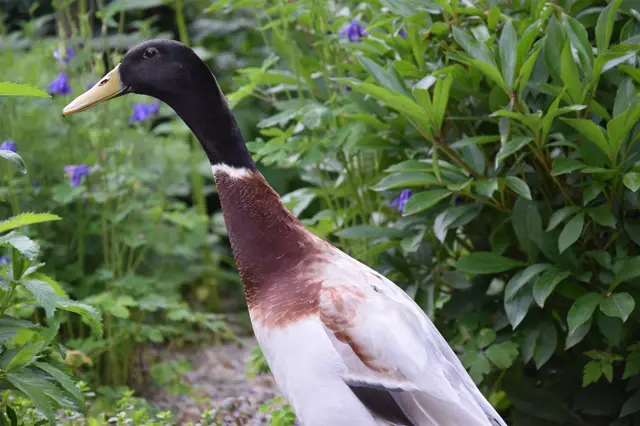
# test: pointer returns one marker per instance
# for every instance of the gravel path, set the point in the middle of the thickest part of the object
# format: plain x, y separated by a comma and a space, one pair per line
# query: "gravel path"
218, 383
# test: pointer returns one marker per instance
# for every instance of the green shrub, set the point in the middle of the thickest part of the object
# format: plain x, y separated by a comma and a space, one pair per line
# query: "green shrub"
512, 129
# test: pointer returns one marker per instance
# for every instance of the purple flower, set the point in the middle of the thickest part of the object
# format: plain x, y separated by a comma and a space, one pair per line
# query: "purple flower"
60, 86
347, 88
401, 200
4, 260
354, 31
69, 54
76, 173
9, 145
401, 33
142, 112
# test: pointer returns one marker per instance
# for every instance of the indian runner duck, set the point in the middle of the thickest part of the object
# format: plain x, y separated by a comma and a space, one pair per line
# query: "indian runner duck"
346, 345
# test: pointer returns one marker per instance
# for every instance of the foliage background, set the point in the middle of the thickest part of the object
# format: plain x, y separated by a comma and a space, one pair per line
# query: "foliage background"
481, 154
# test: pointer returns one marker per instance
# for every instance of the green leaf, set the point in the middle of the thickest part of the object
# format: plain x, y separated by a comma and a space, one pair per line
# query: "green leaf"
569, 74
511, 147
24, 219
15, 89
602, 215
424, 200
477, 50
10, 326
126, 5
518, 186
491, 72
24, 356
618, 305
546, 344
405, 180
631, 405
546, 283
582, 310
577, 336
44, 294
592, 373
401, 103
571, 232
591, 131
486, 263
26, 246
629, 269
604, 26
34, 392
526, 70
580, 40
508, 53
441, 100
560, 215
387, 79
16, 159
87, 312
563, 166
519, 280
62, 378
632, 181
367, 231
503, 354
517, 308
553, 46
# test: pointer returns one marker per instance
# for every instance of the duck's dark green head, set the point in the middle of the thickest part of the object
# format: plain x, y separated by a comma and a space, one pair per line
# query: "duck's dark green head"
164, 69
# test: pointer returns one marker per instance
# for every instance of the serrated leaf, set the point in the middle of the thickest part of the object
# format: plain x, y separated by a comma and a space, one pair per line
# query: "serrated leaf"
87, 312
618, 305
571, 232
62, 378
518, 186
424, 200
592, 373
486, 263
503, 354
16, 89
582, 310
546, 283
25, 245
632, 181
35, 393
44, 294
24, 219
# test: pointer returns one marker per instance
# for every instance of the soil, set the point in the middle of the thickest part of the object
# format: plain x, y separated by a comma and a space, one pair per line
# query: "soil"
219, 385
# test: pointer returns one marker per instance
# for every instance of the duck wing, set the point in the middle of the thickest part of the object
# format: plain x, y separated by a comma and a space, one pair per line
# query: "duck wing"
396, 362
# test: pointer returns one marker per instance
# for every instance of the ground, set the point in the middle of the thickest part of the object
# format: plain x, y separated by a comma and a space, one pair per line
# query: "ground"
219, 382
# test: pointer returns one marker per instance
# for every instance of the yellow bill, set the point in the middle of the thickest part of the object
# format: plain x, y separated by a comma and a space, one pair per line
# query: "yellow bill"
107, 88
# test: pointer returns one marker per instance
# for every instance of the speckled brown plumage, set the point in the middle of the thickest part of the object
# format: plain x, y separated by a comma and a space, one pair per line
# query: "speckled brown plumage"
273, 252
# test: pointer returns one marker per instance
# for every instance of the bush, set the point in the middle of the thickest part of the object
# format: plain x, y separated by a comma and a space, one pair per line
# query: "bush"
505, 134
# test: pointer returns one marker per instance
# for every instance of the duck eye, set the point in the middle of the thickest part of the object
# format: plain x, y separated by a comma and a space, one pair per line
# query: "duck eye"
150, 53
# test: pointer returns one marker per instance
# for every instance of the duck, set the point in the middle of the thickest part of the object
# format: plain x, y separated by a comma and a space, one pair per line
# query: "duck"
346, 346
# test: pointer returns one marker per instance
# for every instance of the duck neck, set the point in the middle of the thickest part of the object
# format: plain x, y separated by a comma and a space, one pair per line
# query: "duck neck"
209, 117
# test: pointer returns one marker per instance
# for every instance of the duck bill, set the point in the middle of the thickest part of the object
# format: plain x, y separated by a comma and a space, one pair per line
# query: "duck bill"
109, 87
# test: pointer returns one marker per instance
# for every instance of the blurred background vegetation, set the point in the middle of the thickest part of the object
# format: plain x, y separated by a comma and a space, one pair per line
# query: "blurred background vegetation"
480, 153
